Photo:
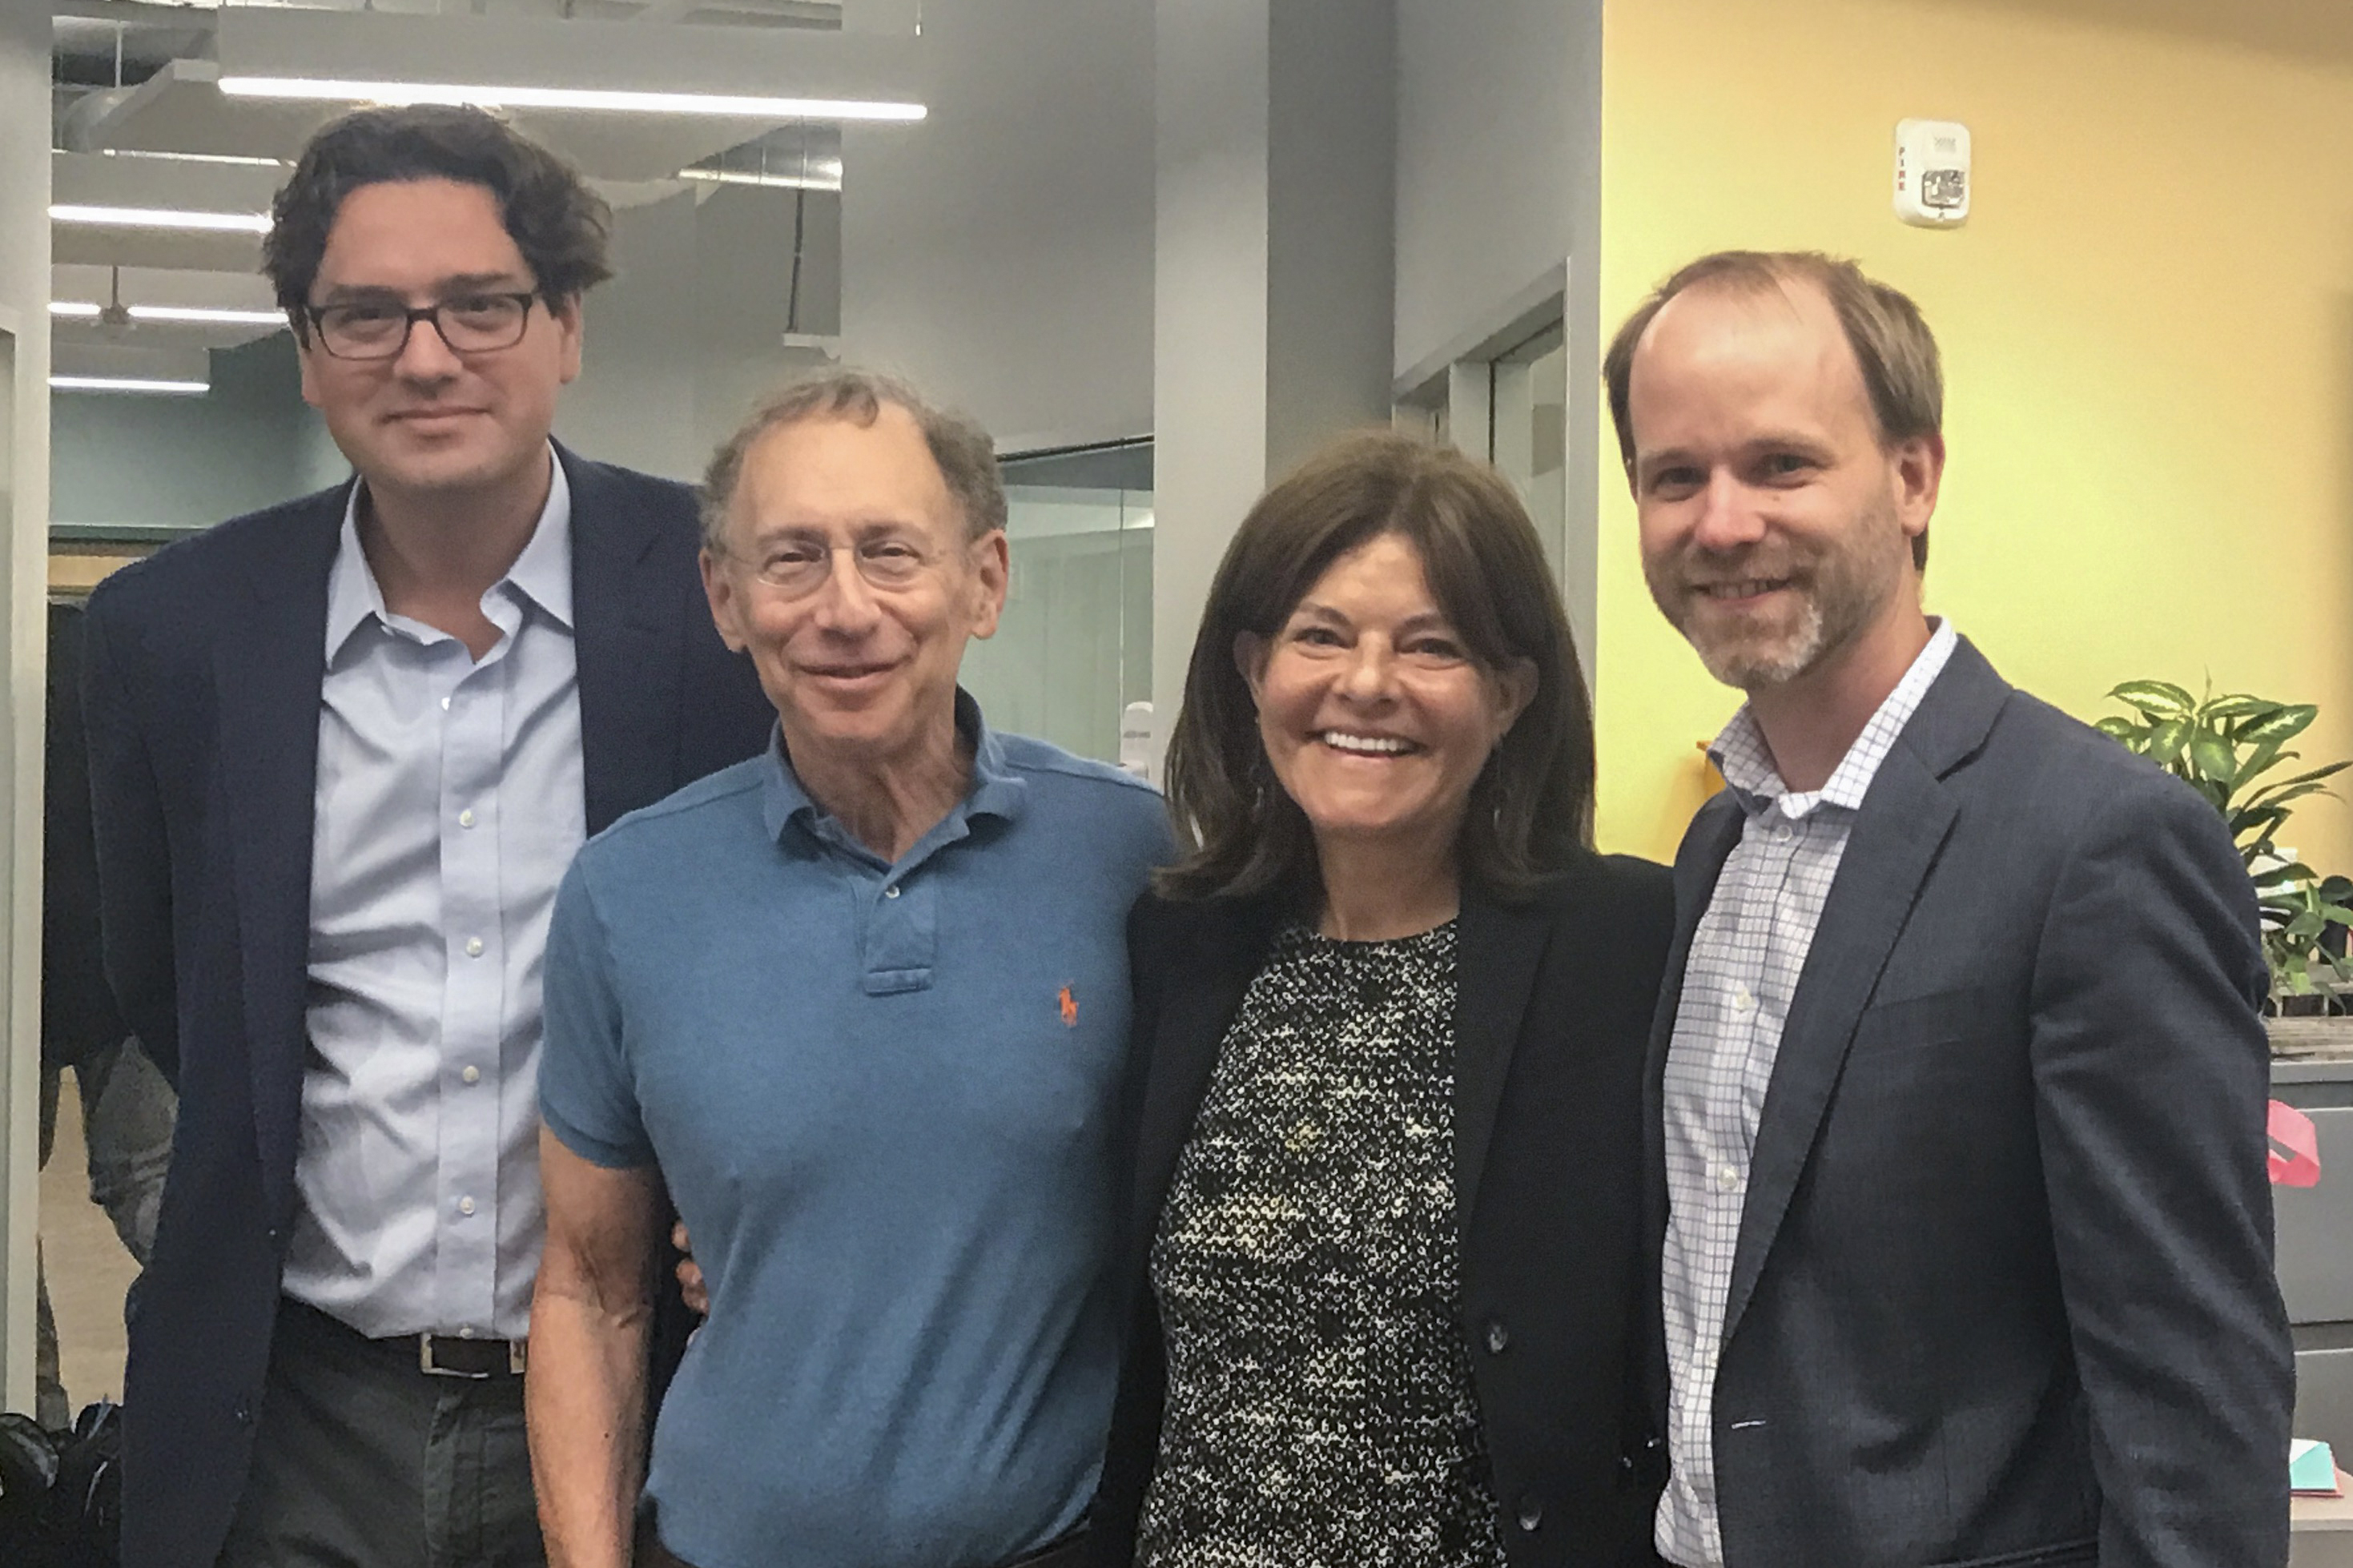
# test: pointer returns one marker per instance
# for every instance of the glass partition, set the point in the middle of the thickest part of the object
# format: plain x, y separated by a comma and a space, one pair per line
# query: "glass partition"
1075, 647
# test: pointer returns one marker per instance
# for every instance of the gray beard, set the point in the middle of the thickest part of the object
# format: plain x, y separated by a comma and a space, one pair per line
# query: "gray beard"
1752, 671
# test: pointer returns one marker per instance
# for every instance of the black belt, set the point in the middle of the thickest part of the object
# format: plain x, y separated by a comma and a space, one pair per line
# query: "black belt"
1069, 1552
428, 1355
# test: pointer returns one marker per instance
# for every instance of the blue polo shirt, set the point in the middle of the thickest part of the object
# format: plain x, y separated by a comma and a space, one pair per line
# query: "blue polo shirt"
882, 1097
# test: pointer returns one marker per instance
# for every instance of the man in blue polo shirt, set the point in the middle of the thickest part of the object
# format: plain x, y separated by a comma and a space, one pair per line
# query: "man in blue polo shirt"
858, 1006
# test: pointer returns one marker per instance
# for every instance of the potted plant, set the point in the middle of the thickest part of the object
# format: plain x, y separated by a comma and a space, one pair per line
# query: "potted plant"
2231, 749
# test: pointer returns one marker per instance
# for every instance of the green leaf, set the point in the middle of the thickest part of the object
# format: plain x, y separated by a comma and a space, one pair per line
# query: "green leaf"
2238, 705
2166, 740
2336, 914
2214, 758
2329, 771
2281, 726
2262, 819
2159, 699
2280, 795
2263, 759
2116, 727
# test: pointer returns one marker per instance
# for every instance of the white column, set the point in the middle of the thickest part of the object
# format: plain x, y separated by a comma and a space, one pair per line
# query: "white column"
1274, 235
24, 572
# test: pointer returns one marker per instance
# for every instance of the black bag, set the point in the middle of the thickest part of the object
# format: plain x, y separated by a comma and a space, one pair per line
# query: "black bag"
61, 1492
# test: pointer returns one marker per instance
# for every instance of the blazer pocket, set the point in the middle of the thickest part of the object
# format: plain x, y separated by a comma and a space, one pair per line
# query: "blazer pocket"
1939, 1018
2067, 1554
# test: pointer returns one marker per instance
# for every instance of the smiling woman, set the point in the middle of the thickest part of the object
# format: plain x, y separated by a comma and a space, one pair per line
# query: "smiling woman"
1389, 1021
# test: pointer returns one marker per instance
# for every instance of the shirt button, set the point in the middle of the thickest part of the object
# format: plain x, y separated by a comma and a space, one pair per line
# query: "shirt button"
445, 705
1729, 1178
464, 1206
465, 1333
1530, 1514
1781, 833
892, 891
472, 1075
1499, 1338
466, 819
1743, 999
473, 947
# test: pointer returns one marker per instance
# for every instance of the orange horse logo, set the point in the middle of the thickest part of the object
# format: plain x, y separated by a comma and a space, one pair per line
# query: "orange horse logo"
1069, 1009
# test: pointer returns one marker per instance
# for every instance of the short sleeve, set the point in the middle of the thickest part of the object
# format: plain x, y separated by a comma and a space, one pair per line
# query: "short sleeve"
588, 1094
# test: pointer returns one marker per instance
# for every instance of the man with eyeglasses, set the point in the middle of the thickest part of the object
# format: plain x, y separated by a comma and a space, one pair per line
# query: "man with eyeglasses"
860, 1007
342, 752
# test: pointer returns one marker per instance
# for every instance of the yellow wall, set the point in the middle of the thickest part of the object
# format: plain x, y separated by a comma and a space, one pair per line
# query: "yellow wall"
2147, 329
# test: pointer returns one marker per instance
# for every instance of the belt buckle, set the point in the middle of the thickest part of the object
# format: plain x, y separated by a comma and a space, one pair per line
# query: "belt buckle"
431, 1364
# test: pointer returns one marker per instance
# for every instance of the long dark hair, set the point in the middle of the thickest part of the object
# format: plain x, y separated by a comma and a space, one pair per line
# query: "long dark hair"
1531, 806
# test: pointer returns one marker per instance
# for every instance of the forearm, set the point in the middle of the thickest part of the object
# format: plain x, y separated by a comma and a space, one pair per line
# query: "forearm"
584, 1399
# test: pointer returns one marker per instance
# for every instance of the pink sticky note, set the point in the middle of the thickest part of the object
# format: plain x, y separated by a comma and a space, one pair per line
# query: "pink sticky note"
2292, 1129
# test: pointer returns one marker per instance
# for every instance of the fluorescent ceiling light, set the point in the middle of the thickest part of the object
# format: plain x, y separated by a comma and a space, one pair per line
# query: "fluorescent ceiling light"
193, 315
629, 102
129, 383
191, 157
812, 181
160, 217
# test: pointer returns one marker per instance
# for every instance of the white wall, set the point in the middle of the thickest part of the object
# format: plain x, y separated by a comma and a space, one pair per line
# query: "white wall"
1489, 126
24, 511
688, 333
190, 462
1498, 208
1000, 253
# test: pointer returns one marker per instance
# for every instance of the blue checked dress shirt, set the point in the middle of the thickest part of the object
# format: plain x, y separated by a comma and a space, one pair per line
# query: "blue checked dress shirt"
449, 800
1745, 958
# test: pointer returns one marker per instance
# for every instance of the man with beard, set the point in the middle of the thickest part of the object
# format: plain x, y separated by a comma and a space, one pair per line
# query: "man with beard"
1959, 1158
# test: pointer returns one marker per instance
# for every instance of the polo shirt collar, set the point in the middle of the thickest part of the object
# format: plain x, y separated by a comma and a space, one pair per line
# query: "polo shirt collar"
995, 790
541, 576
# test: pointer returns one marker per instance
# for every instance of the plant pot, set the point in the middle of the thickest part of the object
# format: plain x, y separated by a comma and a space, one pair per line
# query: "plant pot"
2311, 1038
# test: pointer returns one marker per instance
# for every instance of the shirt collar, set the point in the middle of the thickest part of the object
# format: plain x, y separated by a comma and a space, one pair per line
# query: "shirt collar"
995, 790
542, 574
1741, 755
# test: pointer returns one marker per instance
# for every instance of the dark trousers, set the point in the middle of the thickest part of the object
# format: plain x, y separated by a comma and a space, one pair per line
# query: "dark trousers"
1070, 1552
360, 1460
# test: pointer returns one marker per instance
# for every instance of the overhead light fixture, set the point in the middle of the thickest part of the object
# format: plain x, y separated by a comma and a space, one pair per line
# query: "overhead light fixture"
187, 315
591, 98
810, 182
191, 157
160, 217
130, 384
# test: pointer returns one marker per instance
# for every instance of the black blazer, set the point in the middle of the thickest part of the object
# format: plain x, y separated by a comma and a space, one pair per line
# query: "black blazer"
1554, 1002
2003, 1290
203, 668
77, 1012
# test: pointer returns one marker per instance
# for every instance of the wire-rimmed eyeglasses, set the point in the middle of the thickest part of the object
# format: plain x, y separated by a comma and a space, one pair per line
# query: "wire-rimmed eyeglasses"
379, 329
798, 566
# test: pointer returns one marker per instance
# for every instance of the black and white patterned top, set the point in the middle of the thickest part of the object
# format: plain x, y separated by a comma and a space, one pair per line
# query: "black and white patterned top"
1320, 1410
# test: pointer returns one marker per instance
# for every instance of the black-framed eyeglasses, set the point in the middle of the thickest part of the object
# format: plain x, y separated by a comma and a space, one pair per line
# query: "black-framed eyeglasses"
379, 329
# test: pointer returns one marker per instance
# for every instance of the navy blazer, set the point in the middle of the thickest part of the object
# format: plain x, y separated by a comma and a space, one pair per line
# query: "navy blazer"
1553, 1004
2003, 1293
203, 671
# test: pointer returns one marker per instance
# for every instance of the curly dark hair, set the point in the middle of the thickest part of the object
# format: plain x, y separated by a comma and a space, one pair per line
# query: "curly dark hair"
561, 225
1531, 807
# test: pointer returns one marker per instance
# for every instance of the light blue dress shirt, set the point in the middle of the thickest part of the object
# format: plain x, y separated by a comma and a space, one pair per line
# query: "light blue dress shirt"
450, 802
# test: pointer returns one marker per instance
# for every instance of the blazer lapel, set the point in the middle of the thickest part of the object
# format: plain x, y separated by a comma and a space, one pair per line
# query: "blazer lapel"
1499, 948
1221, 950
625, 647
267, 680
1906, 816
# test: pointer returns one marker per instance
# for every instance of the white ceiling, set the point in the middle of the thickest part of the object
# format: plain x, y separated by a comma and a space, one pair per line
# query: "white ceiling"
139, 108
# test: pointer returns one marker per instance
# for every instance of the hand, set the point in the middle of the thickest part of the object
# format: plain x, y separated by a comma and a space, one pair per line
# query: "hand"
690, 1273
